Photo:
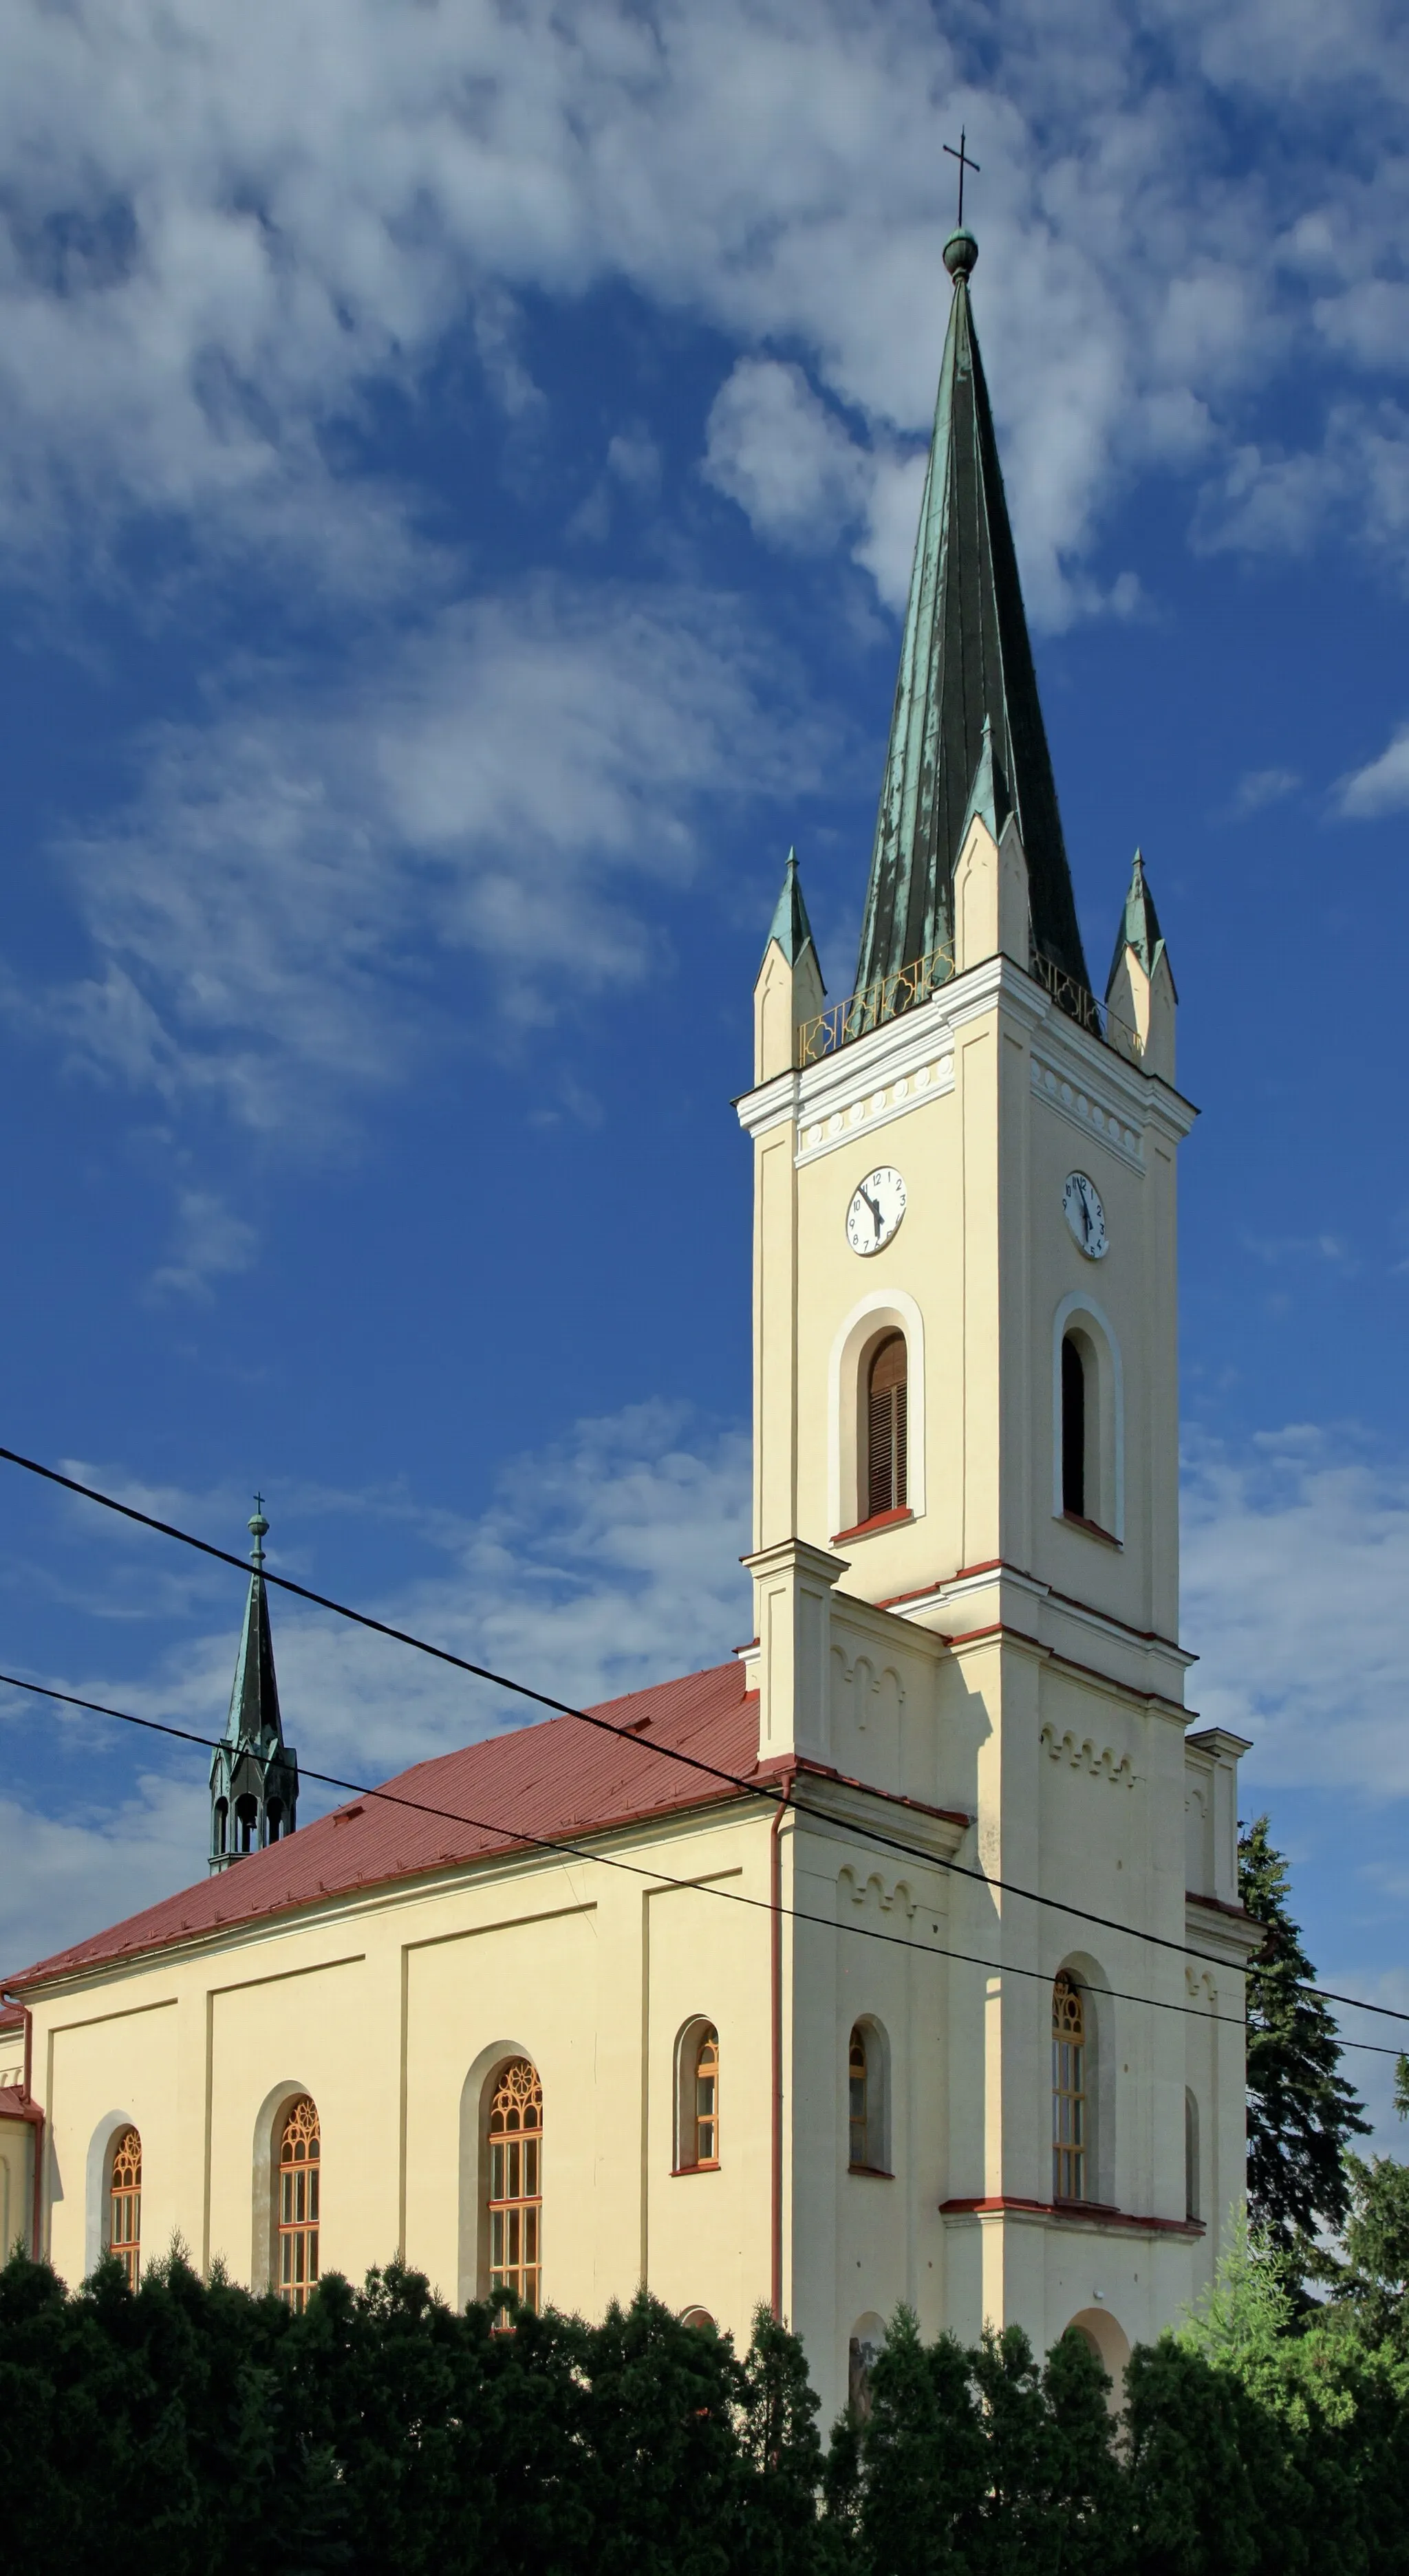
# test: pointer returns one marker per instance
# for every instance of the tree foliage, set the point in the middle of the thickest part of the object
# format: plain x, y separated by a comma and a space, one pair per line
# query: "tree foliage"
1301, 2111
191, 2429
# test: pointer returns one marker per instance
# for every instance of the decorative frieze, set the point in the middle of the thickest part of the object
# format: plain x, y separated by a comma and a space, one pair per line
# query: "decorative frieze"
1083, 1756
1080, 1104
875, 1106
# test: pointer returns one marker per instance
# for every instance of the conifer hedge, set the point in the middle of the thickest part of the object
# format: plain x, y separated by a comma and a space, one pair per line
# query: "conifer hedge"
193, 2429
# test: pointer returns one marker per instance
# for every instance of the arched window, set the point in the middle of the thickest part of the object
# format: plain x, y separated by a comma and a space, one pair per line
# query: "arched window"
1068, 2090
1191, 2154
868, 2145
1088, 1419
222, 1819
299, 2198
246, 1824
886, 1428
863, 2344
274, 1817
1074, 1479
697, 2098
125, 2204
516, 2184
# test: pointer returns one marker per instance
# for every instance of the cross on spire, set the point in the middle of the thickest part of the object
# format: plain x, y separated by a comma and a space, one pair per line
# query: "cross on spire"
964, 162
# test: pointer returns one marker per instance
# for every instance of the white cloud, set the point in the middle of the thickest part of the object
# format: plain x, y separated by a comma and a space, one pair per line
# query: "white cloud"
224, 226
773, 446
211, 1243
606, 1562
777, 450
1295, 1573
1382, 786
63, 1876
1261, 787
269, 911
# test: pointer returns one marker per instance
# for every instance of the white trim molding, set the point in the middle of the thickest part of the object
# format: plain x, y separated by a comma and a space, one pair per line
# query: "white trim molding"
1079, 1307
868, 1316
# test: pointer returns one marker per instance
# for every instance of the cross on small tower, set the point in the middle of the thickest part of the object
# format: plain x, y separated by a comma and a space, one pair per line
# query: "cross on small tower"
964, 162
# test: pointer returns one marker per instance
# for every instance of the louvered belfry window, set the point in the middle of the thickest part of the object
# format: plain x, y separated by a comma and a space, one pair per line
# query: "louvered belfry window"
886, 1479
300, 2194
125, 2205
516, 2183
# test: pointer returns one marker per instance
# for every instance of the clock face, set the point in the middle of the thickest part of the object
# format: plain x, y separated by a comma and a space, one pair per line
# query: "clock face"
876, 1209
1081, 1201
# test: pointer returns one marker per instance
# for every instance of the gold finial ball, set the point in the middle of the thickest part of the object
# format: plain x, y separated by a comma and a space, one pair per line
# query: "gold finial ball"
960, 253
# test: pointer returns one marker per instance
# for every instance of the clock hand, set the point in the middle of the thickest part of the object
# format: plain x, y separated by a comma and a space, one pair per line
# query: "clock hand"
877, 1220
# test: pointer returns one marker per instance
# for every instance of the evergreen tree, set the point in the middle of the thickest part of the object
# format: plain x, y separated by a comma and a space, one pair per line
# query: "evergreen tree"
780, 2445
923, 2467
1015, 2523
1301, 2111
1084, 2478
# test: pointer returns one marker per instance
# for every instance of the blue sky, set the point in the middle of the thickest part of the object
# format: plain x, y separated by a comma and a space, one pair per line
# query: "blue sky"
458, 471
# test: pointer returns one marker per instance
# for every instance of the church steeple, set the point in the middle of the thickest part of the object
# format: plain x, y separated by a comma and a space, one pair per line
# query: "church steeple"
967, 691
253, 1773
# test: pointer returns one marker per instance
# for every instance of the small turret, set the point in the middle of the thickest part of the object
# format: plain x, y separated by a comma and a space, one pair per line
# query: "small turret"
992, 913
789, 989
1140, 987
253, 1773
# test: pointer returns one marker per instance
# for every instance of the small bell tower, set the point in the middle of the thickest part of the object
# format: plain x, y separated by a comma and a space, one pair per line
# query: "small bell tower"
253, 1773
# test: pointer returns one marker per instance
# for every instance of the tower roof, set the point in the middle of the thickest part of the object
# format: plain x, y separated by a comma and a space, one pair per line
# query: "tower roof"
790, 925
966, 671
1139, 925
254, 1697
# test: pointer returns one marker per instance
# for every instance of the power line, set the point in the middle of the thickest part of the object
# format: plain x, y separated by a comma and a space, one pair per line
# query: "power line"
674, 1753
565, 1850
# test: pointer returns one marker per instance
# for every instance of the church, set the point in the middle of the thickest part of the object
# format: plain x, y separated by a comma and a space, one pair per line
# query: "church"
909, 1934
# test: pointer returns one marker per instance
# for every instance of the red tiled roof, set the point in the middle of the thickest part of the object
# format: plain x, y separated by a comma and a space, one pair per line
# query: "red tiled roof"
559, 1778
11, 2017
15, 2104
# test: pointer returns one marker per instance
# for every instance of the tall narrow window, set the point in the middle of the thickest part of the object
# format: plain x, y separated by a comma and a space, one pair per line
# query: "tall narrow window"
1191, 2155
858, 2099
1073, 1428
516, 2184
299, 2196
1068, 2090
125, 2205
886, 1478
706, 2139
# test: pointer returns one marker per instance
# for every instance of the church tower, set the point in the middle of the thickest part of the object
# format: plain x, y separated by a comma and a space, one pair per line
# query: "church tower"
253, 1773
965, 1537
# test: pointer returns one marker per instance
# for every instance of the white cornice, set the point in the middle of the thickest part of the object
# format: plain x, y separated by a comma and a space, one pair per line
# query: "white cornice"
1210, 1927
910, 1059
1010, 1579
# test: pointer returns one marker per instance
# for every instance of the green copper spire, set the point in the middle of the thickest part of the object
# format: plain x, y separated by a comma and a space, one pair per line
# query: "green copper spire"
966, 672
1139, 927
253, 1773
790, 925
